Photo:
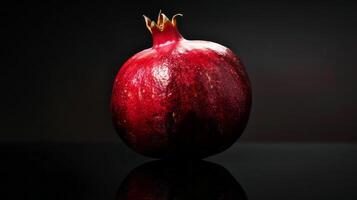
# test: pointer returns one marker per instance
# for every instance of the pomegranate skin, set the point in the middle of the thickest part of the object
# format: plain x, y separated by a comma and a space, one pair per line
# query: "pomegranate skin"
181, 98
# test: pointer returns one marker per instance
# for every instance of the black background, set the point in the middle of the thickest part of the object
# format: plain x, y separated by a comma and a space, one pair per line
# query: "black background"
61, 59
57, 139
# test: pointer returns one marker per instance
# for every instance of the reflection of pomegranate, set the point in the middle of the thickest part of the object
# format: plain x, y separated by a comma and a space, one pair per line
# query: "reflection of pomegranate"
164, 180
180, 97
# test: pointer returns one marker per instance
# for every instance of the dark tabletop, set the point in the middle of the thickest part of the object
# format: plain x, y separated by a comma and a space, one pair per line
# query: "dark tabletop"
112, 171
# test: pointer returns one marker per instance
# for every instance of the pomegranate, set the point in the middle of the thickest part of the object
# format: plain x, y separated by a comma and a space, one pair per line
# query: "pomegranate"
163, 180
180, 98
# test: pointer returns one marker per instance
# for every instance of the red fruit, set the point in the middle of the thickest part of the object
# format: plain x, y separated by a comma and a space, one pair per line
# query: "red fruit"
180, 97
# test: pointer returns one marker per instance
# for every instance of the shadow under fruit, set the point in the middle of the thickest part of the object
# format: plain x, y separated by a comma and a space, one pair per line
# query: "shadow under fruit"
164, 180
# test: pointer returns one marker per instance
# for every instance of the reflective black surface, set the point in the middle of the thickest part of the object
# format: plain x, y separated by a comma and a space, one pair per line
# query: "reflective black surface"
245, 171
180, 180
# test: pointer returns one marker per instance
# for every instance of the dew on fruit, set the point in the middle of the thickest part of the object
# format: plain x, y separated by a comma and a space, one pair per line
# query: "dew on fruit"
209, 78
161, 75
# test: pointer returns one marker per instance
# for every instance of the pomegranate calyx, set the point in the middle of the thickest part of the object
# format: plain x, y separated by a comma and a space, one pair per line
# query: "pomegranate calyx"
164, 30
162, 22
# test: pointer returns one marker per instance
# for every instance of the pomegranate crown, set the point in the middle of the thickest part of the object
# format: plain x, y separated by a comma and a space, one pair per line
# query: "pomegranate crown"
164, 30
162, 22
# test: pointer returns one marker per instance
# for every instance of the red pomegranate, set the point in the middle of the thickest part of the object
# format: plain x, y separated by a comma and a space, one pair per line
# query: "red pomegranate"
180, 98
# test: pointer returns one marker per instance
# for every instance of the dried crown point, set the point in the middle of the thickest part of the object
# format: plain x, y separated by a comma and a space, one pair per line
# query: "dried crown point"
161, 23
